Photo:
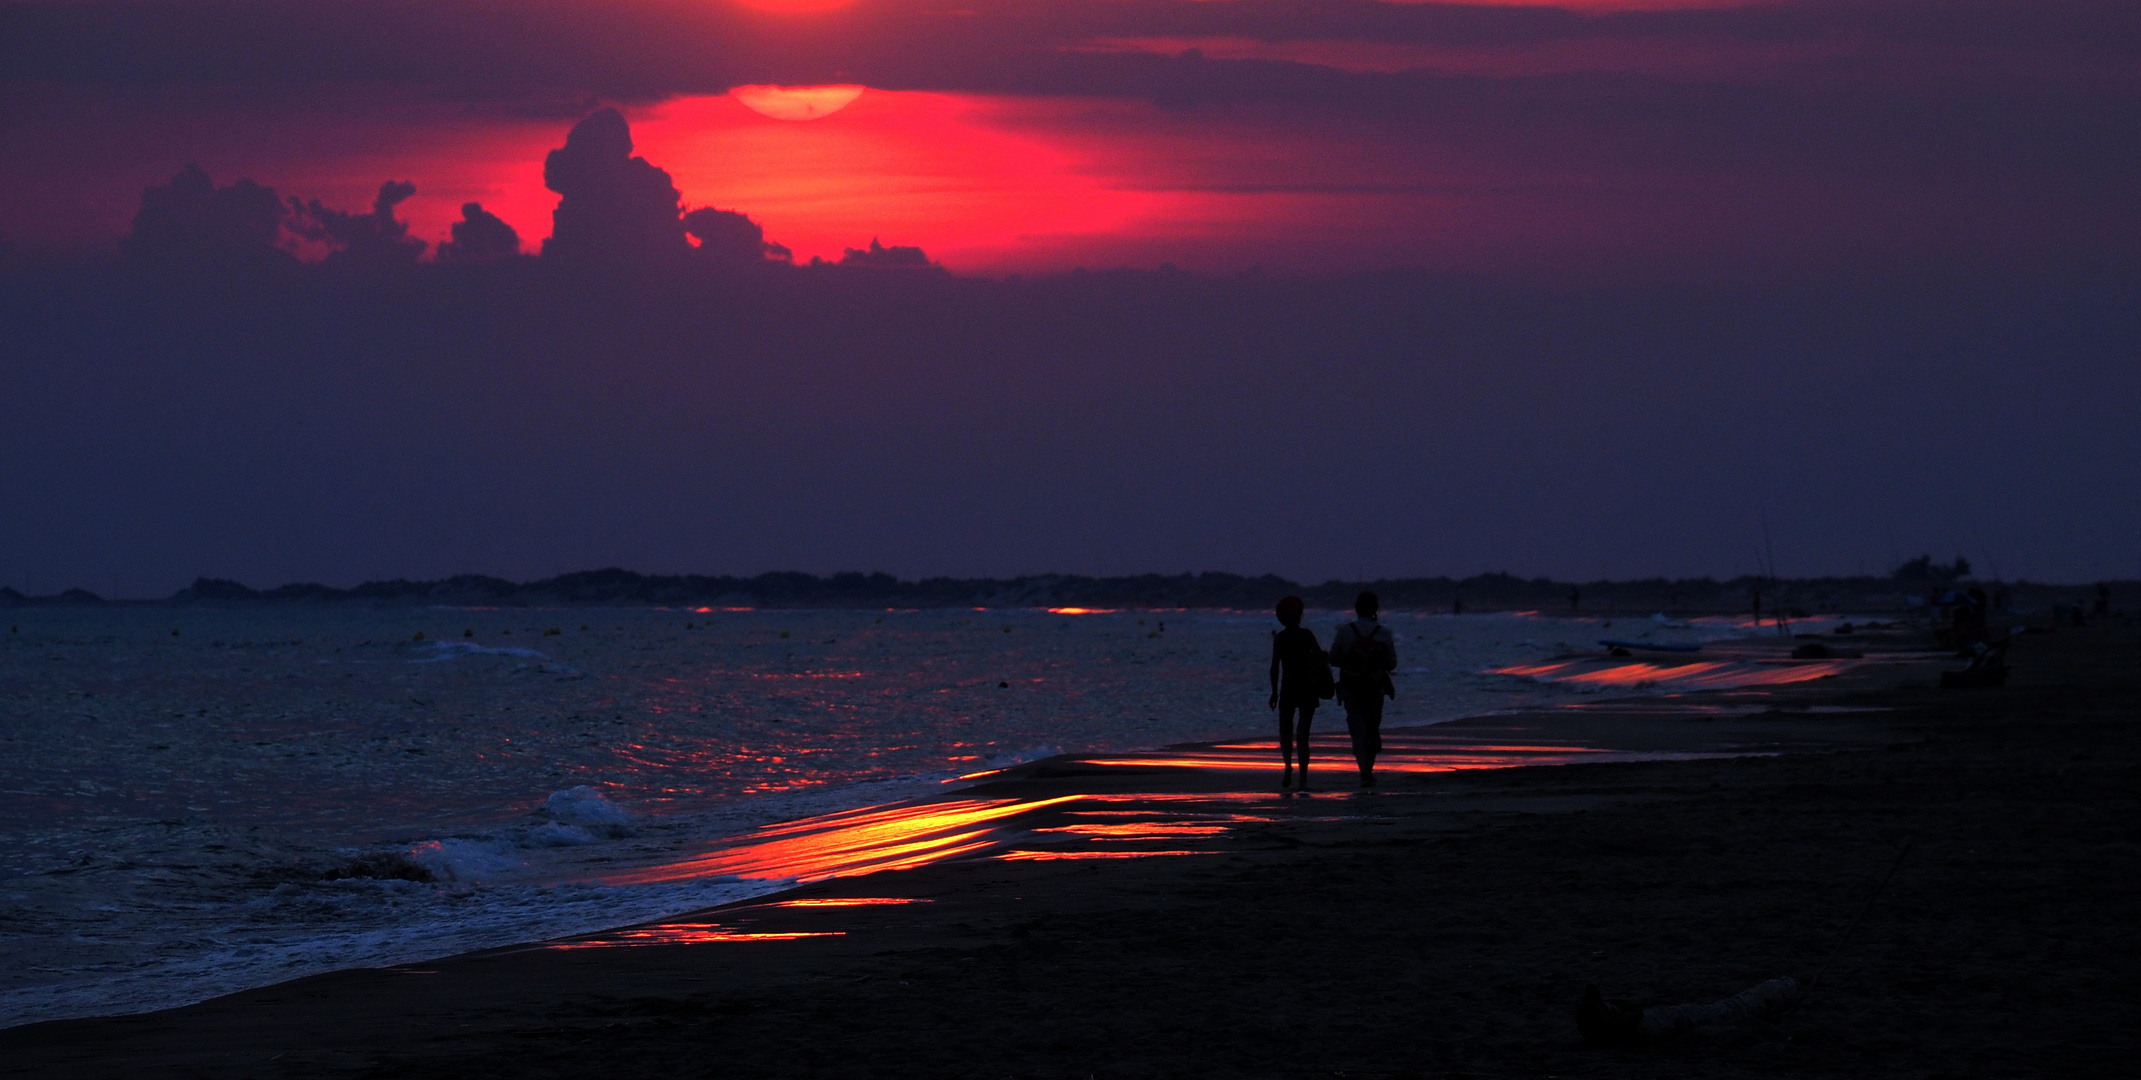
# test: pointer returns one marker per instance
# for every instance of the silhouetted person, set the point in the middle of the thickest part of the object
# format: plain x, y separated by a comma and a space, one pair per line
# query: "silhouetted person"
1972, 625
1457, 605
1575, 599
1365, 654
2103, 600
1300, 680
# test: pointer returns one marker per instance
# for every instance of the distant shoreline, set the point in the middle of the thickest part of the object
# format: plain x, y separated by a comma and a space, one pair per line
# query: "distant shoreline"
1480, 593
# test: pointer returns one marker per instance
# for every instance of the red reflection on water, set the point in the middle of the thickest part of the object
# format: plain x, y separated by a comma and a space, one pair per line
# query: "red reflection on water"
856, 842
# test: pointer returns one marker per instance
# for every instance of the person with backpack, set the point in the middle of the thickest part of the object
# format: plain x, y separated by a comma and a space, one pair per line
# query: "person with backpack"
1306, 681
1365, 653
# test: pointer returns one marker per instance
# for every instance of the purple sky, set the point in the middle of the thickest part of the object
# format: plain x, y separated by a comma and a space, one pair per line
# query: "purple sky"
1643, 277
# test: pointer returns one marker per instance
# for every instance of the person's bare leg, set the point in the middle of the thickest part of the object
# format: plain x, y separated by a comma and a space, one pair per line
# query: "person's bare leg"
1286, 745
1308, 716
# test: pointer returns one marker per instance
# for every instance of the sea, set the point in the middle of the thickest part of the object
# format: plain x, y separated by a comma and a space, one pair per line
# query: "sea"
197, 801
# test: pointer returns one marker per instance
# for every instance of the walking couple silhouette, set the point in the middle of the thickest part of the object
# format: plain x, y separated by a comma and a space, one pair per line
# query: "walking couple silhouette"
1363, 651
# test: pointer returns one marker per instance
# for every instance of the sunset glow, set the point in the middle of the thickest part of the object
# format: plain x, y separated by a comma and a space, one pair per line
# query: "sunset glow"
392, 394
795, 7
954, 174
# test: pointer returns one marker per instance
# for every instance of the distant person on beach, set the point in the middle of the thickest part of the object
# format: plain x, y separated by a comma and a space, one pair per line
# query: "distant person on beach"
1365, 653
1300, 680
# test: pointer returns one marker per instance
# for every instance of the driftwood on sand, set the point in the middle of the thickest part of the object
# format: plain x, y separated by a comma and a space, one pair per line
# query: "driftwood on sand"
1618, 1023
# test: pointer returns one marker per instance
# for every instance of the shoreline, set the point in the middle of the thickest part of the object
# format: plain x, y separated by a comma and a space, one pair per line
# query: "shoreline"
1444, 924
275, 905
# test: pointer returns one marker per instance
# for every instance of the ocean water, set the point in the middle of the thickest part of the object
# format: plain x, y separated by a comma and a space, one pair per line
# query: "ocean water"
197, 801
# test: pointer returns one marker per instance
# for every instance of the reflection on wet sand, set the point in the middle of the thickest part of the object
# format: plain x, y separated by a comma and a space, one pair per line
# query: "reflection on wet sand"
1204, 798
855, 842
1026, 855
1034, 827
1403, 752
729, 925
1134, 830
682, 933
845, 901
1695, 675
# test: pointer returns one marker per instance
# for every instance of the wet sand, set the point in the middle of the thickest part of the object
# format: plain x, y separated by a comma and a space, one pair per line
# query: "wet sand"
1441, 926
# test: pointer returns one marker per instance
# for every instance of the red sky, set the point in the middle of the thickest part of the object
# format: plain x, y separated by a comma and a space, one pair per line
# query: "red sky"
1308, 136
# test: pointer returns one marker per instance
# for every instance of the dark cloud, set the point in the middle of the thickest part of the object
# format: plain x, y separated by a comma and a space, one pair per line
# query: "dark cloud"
613, 205
616, 207
374, 239
732, 237
879, 257
480, 235
191, 220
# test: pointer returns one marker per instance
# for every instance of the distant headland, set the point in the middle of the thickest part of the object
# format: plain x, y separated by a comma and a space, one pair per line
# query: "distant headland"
1914, 584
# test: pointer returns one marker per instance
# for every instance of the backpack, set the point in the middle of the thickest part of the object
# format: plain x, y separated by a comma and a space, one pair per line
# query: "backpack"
1360, 653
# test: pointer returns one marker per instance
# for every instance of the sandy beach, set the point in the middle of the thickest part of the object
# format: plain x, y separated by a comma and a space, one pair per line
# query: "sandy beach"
1442, 926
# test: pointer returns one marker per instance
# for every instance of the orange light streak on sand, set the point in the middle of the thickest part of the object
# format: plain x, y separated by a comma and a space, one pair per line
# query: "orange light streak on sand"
1082, 610
1051, 856
1702, 675
682, 934
848, 901
1401, 754
1135, 830
1388, 762
857, 842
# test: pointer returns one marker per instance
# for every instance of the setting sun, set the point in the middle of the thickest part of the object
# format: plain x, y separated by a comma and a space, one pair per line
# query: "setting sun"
796, 102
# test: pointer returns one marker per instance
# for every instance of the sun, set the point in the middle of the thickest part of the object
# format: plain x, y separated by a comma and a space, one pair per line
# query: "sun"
796, 102
795, 7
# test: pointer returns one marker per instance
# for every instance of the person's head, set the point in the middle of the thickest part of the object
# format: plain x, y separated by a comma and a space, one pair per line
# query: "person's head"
1365, 605
1290, 610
